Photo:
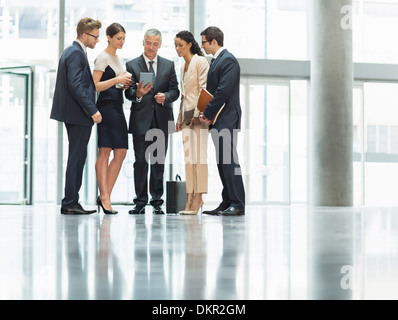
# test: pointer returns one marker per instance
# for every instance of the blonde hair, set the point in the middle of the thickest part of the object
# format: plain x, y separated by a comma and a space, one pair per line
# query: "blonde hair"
87, 25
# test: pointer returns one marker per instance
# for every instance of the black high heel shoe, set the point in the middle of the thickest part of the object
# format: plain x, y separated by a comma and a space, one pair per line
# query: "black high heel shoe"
99, 203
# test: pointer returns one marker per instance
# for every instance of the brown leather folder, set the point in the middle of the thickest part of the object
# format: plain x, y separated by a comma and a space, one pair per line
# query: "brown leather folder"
204, 98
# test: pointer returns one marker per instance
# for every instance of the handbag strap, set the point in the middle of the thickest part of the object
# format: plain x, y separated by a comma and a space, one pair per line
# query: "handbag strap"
178, 177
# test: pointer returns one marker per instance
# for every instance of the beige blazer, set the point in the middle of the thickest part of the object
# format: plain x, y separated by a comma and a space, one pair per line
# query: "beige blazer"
195, 81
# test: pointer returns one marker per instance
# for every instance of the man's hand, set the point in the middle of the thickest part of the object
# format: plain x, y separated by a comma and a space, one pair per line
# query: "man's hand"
194, 122
143, 90
160, 98
97, 118
204, 120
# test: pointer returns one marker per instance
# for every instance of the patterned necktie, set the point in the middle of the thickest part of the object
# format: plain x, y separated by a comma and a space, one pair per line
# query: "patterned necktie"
152, 70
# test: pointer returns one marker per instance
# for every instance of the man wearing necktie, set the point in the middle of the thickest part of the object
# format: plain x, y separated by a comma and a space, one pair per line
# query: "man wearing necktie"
151, 112
223, 82
152, 70
74, 105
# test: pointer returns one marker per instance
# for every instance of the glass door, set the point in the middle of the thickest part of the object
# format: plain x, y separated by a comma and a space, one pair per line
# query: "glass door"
375, 144
265, 142
15, 136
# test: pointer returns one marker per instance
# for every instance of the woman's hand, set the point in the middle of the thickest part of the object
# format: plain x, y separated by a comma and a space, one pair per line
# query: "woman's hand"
178, 127
124, 79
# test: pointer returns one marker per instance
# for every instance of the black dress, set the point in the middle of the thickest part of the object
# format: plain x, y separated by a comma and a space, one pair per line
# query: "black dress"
112, 131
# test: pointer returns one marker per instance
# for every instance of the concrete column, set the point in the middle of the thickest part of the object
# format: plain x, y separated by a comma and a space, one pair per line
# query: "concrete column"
330, 181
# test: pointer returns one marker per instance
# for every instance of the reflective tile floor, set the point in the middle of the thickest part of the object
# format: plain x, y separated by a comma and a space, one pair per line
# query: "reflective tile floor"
274, 252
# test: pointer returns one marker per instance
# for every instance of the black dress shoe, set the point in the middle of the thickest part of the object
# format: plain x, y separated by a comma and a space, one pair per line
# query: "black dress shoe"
76, 209
216, 211
157, 210
138, 210
232, 211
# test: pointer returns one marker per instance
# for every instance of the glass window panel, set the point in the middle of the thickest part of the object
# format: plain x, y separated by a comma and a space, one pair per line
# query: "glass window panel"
33, 23
358, 119
268, 134
45, 138
26, 25
358, 145
381, 184
32, 26
382, 138
287, 29
230, 16
381, 164
298, 146
381, 112
375, 26
12, 138
394, 140
272, 35
372, 139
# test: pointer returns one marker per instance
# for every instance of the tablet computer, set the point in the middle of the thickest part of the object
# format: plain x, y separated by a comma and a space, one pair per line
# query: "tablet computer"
146, 77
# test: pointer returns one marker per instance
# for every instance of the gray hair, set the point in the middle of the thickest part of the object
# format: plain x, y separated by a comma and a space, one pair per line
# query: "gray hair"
153, 33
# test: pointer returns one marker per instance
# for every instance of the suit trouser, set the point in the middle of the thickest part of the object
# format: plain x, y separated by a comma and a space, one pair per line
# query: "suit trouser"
195, 140
78, 137
225, 142
153, 152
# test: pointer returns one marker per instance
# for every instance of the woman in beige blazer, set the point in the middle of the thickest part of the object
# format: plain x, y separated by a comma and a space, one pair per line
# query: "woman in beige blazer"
194, 133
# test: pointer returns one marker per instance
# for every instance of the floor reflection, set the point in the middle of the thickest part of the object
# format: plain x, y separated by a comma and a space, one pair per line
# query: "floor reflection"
330, 253
274, 252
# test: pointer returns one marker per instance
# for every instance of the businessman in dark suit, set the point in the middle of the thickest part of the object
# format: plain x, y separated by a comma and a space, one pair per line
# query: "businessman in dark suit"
151, 120
223, 82
74, 105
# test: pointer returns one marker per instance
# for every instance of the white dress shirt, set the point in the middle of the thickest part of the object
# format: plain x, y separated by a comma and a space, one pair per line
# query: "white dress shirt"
155, 65
82, 45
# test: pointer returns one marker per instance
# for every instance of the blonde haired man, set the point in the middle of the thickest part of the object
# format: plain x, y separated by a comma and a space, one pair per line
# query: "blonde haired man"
74, 105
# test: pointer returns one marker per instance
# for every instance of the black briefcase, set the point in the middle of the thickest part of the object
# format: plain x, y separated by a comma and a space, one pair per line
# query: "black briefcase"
176, 195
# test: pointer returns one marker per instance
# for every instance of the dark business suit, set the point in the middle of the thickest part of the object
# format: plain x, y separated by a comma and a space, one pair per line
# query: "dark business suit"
74, 104
148, 114
223, 81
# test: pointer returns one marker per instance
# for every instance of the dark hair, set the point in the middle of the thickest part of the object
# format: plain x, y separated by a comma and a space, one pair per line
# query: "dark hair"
114, 29
214, 33
188, 37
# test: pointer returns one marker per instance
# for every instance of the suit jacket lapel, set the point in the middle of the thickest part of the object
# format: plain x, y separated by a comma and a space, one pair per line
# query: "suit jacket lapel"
218, 58
143, 65
158, 71
187, 74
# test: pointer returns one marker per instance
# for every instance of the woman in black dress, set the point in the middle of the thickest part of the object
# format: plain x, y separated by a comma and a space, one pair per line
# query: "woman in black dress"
110, 80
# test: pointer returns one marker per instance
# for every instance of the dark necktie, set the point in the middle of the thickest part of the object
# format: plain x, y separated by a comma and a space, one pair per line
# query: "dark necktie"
212, 61
152, 70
